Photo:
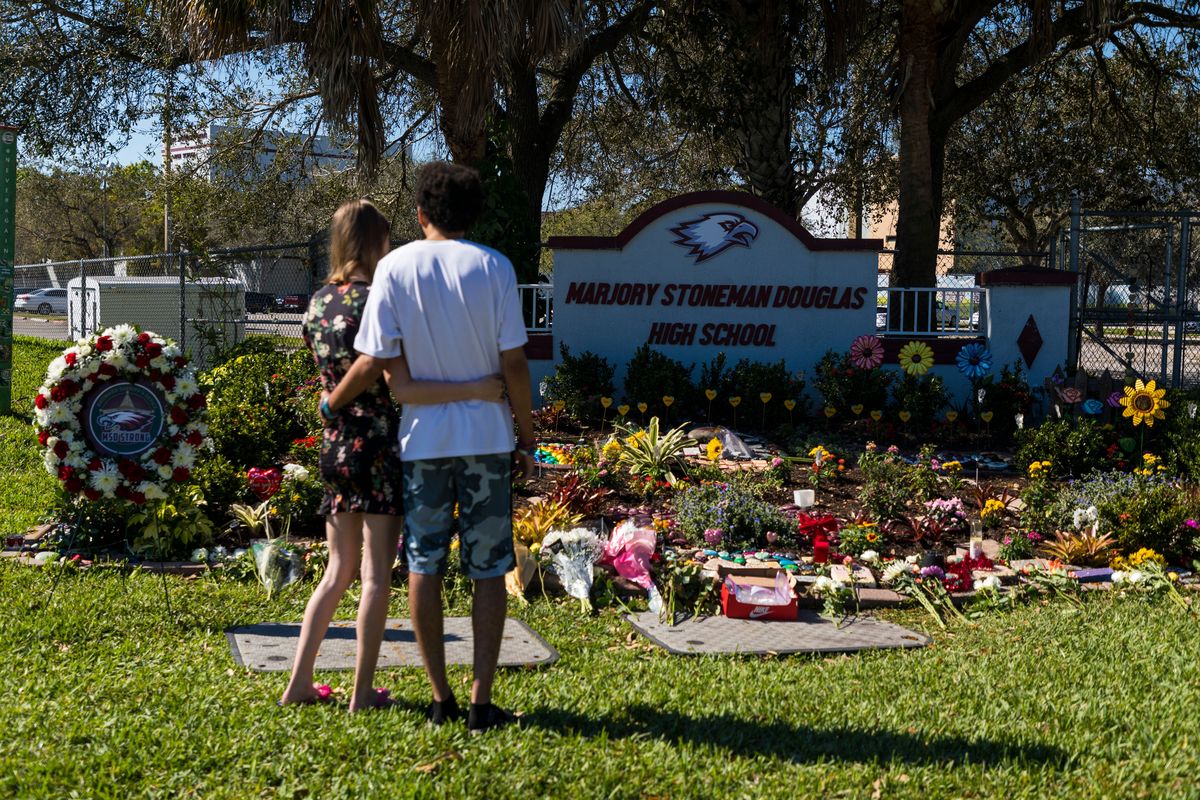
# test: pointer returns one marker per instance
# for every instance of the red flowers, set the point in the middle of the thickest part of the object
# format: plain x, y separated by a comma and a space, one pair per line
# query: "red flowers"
154, 349
131, 470
195, 439
197, 401
40, 401
178, 415
107, 370
181, 474
103, 344
161, 456
43, 437
167, 382
71, 358
60, 449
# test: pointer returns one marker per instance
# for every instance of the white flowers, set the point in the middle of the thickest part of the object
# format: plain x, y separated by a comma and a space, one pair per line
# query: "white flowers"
896, 569
117, 358
990, 583
122, 334
152, 491
869, 557
56, 369
185, 456
827, 585
295, 472
186, 386
1084, 517
106, 479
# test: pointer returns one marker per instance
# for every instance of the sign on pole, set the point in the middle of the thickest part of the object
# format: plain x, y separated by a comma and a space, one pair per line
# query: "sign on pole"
8, 225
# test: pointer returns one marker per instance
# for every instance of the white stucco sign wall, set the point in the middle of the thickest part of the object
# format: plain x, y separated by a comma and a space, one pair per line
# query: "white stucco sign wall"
713, 272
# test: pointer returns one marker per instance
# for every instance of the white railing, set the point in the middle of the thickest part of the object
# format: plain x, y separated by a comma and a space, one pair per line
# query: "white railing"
932, 312
537, 302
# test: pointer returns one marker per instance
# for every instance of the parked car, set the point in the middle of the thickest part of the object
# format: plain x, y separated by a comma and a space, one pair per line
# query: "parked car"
259, 303
946, 316
43, 301
293, 302
880, 317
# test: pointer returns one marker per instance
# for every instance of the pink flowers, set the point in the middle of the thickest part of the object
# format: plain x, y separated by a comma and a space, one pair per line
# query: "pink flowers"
866, 352
713, 536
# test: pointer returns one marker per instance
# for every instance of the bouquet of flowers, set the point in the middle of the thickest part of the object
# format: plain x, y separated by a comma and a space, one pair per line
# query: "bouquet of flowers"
573, 555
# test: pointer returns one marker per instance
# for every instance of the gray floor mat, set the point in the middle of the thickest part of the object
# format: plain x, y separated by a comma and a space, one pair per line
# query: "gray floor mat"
271, 646
810, 633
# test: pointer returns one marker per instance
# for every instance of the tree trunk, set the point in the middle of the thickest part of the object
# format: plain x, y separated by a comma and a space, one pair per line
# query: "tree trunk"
764, 129
922, 149
529, 149
463, 130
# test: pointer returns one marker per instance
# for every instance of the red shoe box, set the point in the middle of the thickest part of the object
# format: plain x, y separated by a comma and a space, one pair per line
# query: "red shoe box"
732, 608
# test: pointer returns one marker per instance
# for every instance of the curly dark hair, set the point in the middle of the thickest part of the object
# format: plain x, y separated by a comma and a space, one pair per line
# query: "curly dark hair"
451, 195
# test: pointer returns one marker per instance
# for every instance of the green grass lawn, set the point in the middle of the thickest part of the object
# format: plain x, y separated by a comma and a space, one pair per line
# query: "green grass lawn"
28, 492
106, 698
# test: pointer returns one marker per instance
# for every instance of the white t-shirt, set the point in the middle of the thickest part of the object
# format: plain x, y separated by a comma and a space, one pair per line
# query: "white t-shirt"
451, 307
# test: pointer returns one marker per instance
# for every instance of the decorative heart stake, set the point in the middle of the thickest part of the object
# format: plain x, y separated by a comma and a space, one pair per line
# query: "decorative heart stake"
986, 416
623, 409
877, 415
642, 407
857, 408
711, 394
264, 482
905, 416
735, 401
765, 397
951, 416
559, 405
668, 400
790, 405
606, 402
829, 412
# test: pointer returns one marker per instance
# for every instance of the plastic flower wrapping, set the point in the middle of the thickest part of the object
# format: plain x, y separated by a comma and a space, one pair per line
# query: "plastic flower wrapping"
278, 565
573, 555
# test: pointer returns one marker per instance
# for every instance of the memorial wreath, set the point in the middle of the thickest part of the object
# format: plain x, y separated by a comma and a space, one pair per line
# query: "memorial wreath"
121, 415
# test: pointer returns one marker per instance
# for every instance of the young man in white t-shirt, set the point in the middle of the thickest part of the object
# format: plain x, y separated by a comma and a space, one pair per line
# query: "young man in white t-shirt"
450, 308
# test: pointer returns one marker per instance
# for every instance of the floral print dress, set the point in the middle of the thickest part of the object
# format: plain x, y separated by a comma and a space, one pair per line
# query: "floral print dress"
360, 451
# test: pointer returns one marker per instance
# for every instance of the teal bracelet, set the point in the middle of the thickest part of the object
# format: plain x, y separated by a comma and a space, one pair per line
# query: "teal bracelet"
324, 409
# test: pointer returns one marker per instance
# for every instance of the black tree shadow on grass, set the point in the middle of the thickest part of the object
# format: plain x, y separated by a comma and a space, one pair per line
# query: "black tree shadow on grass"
795, 743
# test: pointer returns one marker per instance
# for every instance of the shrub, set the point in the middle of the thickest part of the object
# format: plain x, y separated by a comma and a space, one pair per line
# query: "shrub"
579, 382
1180, 434
734, 509
1005, 396
1139, 510
1073, 447
650, 375
1019, 545
855, 539
252, 416
883, 492
750, 379
921, 397
95, 525
843, 385
221, 483
170, 528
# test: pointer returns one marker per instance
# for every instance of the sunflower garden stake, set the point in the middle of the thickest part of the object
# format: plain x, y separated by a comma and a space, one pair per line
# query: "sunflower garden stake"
1145, 403
790, 405
735, 402
558, 406
711, 394
605, 403
642, 410
766, 398
668, 401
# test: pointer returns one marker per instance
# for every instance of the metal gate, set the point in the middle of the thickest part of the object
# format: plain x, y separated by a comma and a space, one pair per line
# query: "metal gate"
1135, 306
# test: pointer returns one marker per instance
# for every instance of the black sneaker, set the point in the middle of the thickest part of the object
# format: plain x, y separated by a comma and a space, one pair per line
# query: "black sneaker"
439, 713
487, 716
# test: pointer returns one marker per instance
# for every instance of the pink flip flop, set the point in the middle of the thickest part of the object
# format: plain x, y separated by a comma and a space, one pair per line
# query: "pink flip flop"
324, 694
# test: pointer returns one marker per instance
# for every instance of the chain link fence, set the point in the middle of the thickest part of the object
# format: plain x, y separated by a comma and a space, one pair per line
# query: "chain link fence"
205, 301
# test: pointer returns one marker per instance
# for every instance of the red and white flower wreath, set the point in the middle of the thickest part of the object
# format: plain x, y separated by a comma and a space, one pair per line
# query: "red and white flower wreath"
120, 352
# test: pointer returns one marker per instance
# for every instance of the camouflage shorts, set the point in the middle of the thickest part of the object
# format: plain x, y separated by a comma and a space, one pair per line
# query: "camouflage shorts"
482, 487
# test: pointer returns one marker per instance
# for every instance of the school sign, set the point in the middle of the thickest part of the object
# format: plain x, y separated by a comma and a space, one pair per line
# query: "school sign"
713, 272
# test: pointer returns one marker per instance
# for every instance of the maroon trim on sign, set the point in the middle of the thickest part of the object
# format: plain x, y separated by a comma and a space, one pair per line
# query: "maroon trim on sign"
945, 349
742, 199
1027, 276
12, 128
540, 347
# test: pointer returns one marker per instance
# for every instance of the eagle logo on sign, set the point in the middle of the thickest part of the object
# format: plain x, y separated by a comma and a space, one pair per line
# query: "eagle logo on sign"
713, 234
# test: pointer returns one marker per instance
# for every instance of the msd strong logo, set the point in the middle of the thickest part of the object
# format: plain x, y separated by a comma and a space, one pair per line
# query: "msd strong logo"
712, 234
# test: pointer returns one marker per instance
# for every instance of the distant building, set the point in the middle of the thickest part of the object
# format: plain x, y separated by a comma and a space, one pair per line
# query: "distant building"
196, 152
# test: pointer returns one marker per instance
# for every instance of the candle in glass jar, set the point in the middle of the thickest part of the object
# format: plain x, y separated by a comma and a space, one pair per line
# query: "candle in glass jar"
820, 549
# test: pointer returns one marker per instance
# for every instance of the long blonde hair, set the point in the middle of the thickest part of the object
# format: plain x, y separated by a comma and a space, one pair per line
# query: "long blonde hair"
357, 240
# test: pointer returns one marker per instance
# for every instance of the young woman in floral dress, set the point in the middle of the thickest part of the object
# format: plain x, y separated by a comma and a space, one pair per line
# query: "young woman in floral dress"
360, 458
